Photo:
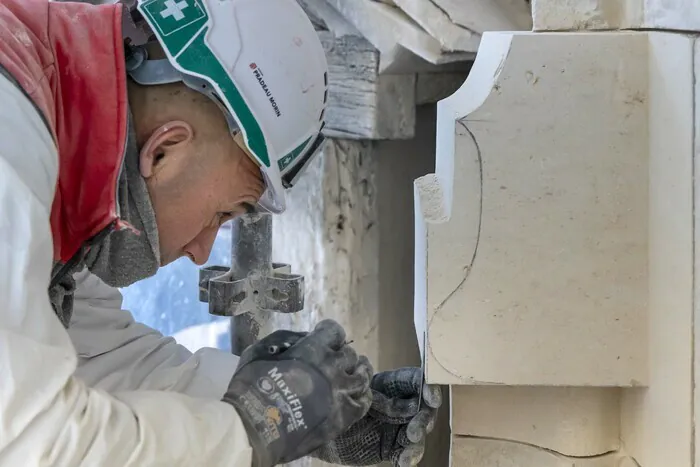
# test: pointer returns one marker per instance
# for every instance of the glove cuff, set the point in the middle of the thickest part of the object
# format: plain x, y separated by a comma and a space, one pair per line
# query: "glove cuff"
261, 456
283, 405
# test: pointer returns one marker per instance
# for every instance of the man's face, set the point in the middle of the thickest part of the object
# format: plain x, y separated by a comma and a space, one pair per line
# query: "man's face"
196, 184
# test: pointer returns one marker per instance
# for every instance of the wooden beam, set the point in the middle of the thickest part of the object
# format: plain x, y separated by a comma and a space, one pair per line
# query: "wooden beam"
365, 104
362, 103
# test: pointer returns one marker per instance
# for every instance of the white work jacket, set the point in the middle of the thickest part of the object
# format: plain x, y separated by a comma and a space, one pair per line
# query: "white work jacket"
108, 392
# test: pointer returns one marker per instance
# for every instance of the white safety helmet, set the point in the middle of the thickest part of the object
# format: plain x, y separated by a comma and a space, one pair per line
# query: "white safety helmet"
261, 61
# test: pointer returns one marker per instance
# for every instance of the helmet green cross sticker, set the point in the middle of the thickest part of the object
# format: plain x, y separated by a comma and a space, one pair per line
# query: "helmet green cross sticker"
175, 14
182, 26
176, 22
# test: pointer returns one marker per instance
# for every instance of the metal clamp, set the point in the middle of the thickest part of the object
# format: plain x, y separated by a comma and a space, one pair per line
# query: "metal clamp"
254, 287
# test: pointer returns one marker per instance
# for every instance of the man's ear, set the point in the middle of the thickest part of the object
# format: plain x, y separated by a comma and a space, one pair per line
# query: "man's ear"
162, 144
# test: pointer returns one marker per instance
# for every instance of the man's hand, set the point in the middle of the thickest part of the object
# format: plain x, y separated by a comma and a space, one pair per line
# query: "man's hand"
395, 427
297, 391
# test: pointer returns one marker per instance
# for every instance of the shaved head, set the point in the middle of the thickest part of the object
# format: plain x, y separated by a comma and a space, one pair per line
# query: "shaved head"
153, 106
197, 175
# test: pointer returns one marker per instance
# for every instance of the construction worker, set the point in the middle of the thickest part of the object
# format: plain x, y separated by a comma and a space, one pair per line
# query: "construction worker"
128, 135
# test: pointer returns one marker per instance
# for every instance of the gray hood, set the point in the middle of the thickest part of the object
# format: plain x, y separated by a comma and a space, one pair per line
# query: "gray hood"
124, 256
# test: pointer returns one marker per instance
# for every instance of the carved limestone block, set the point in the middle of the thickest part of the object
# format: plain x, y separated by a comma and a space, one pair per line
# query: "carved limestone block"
572, 421
536, 220
555, 246
657, 421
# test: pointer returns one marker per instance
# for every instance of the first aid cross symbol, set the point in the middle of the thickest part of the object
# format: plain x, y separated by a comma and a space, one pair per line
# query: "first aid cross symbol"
174, 9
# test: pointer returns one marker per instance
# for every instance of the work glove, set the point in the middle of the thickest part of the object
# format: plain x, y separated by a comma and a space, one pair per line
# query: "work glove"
395, 427
295, 392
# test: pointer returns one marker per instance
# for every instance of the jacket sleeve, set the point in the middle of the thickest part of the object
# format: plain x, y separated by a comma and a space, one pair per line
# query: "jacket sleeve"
47, 415
115, 353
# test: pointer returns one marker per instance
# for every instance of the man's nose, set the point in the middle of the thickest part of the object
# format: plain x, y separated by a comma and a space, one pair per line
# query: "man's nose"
200, 247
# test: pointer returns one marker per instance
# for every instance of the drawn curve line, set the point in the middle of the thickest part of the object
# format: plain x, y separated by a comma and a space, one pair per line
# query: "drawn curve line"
468, 268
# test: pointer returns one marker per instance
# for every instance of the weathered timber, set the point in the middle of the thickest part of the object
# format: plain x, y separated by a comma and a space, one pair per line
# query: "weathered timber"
366, 104
362, 103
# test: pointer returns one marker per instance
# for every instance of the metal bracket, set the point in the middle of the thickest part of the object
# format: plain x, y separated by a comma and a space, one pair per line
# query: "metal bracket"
254, 287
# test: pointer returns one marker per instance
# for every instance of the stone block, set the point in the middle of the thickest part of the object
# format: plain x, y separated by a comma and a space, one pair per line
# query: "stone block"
555, 246
480, 452
532, 235
577, 422
657, 421
567, 15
